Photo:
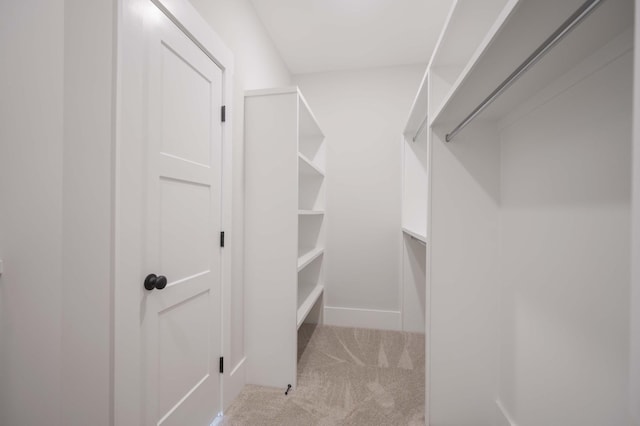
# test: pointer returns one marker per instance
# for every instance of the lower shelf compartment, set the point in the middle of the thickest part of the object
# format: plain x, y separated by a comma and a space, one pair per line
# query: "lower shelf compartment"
308, 295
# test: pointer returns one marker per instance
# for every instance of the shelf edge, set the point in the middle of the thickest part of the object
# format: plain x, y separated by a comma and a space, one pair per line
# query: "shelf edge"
421, 93
468, 68
304, 102
310, 164
306, 306
307, 258
271, 91
414, 234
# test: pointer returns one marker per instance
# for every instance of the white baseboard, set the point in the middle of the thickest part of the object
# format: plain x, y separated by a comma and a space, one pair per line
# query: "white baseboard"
234, 382
363, 318
502, 416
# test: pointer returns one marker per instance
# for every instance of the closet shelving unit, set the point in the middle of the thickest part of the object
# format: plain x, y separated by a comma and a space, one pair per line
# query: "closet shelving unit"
415, 184
453, 52
284, 230
415, 167
504, 181
504, 48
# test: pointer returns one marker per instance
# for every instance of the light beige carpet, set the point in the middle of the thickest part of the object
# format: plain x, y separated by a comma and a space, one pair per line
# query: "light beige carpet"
346, 376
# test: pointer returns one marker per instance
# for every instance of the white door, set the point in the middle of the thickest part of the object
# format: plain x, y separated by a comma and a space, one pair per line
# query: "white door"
181, 323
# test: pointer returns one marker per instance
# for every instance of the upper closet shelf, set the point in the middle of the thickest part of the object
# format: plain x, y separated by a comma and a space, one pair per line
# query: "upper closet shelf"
521, 28
308, 124
310, 212
417, 120
417, 235
306, 167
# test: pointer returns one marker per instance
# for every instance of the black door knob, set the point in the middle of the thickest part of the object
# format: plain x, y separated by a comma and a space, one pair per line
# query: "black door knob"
153, 281
161, 282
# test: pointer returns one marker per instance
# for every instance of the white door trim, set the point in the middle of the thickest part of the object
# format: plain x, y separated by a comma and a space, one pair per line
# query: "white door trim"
130, 126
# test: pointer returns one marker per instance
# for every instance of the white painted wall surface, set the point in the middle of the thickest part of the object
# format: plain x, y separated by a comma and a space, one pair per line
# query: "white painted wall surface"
31, 122
55, 222
257, 65
87, 227
565, 188
634, 398
362, 114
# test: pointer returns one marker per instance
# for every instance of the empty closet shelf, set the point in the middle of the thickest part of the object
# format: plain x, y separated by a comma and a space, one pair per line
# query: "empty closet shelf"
306, 301
417, 235
306, 167
488, 85
310, 212
308, 257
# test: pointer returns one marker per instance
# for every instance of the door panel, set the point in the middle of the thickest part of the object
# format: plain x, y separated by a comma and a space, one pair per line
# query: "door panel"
182, 322
186, 125
185, 213
184, 354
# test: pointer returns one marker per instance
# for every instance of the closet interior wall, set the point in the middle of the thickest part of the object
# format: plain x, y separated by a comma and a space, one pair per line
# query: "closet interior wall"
361, 112
528, 263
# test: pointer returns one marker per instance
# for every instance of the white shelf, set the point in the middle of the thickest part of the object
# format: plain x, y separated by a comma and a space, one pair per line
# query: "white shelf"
415, 234
272, 91
310, 212
505, 47
308, 126
306, 167
308, 257
465, 27
466, 17
418, 111
306, 301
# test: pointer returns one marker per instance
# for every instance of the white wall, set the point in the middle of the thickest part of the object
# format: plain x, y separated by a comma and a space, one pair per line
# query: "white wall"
257, 65
565, 189
31, 122
55, 234
362, 114
634, 399
87, 201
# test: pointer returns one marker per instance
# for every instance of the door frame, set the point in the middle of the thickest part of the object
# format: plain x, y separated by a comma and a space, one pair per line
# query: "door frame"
129, 193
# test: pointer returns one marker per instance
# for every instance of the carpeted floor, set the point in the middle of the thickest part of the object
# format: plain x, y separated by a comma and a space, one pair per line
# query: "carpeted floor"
346, 376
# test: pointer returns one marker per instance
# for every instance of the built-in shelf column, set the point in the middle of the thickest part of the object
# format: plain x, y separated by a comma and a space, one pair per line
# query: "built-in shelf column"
284, 230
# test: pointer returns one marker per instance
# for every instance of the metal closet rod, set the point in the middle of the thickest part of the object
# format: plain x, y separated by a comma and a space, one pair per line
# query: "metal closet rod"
577, 17
421, 128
